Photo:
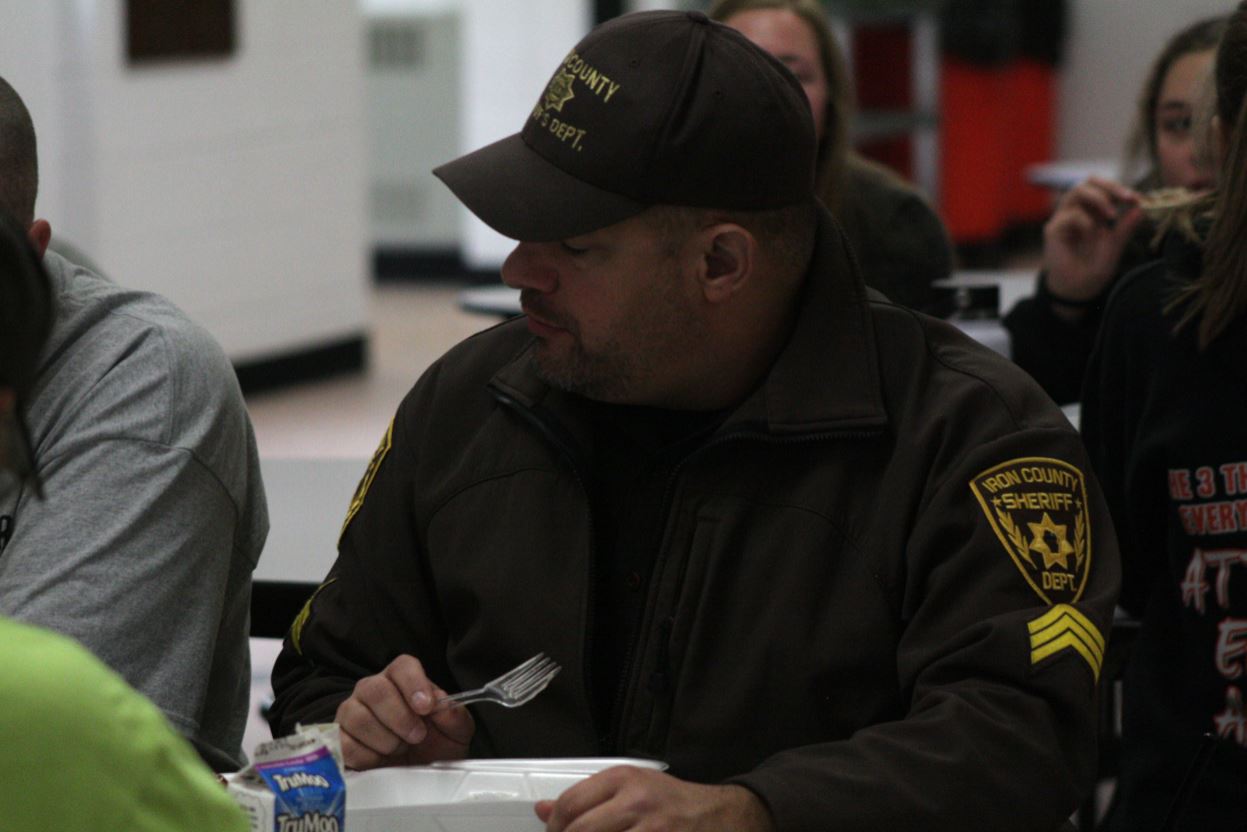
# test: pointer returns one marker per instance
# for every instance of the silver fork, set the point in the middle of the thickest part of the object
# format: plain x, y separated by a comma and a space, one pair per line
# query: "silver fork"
513, 688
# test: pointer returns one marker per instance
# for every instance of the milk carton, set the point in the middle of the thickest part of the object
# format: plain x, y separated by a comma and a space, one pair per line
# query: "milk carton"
295, 783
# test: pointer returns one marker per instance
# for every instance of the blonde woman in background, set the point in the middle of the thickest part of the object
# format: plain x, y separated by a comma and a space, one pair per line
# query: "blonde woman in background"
900, 243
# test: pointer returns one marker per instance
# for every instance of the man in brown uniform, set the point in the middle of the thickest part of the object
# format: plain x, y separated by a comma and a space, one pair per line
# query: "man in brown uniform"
835, 563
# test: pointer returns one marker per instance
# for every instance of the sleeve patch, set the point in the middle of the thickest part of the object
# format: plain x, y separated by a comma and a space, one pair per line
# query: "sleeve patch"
1038, 509
1065, 628
361, 490
300, 620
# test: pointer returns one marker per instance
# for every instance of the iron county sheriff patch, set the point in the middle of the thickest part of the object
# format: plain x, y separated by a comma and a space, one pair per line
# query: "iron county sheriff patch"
361, 490
1038, 508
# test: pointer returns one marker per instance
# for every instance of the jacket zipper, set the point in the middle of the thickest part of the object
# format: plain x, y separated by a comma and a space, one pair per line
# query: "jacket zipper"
659, 680
530, 416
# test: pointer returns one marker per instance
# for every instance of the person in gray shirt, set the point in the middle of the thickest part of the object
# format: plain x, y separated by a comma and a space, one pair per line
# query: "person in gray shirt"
155, 513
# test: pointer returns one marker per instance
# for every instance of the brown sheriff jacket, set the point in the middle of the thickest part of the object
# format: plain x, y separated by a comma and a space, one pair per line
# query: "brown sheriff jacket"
880, 600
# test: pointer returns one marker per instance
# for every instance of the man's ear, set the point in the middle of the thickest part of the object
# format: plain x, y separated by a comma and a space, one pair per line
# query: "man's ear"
40, 234
729, 255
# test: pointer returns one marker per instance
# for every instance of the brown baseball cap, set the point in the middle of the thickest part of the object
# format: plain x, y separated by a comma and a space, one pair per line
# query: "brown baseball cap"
649, 108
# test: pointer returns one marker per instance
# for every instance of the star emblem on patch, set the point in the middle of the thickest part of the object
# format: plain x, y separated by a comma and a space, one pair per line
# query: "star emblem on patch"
1049, 540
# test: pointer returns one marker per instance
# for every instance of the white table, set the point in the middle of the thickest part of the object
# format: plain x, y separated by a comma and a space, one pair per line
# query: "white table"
502, 301
1063, 175
987, 331
1013, 284
307, 502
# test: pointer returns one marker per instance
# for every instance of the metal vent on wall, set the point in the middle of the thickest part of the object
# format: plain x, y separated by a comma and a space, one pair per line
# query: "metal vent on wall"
396, 44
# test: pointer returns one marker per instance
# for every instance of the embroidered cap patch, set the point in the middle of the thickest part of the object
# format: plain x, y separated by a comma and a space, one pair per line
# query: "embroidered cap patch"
1038, 509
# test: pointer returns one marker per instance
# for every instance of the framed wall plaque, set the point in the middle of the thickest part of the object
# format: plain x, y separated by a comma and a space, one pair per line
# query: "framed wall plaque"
179, 30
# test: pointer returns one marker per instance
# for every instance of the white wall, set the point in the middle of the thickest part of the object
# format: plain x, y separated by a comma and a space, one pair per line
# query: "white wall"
234, 187
413, 126
1111, 45
509, 52
239, 188
28, 62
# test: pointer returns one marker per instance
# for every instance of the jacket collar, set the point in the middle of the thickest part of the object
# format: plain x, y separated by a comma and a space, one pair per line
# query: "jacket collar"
826, 378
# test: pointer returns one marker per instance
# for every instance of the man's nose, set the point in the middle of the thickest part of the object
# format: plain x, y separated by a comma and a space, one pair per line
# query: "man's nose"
527, 267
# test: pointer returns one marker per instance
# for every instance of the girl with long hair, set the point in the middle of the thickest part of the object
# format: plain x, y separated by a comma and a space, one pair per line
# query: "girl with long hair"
1097, 233
1163, 417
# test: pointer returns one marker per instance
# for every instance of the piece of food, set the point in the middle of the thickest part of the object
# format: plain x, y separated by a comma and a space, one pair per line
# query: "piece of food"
1163, 200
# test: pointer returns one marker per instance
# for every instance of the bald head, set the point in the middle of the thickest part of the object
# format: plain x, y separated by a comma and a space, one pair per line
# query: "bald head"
19, 164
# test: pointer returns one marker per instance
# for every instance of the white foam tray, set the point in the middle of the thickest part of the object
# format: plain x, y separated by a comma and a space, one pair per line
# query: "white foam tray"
465, 796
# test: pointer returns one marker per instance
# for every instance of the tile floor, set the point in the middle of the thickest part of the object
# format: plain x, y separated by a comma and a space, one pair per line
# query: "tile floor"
412, 325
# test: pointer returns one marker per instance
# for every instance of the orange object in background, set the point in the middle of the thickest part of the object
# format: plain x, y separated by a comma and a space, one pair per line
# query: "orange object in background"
974, 162
995, 122
1032, 113
997, 114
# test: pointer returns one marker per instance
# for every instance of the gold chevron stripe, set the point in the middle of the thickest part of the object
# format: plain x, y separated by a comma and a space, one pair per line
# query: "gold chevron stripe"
1061, 610
1064, 627
1072, 641
1052, 634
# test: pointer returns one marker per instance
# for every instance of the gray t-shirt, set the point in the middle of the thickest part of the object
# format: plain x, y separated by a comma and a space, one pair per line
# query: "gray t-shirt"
154, 512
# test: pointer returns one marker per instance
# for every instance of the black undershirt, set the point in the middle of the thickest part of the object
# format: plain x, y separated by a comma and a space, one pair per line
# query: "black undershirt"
635, 453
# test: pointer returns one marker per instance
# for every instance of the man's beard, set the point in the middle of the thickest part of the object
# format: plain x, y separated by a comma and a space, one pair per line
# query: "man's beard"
615, 370
595, 376
606, 375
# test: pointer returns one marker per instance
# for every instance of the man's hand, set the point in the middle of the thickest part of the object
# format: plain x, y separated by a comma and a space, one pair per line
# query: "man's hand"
388, 720
625, 797
1084, 239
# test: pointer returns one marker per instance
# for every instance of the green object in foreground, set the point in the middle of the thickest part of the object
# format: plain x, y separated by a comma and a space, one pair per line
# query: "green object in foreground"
85, 751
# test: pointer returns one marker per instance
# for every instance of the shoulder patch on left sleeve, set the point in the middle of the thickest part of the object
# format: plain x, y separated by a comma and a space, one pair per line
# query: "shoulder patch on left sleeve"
361, 490
300, 620
1065, 628
1037, 507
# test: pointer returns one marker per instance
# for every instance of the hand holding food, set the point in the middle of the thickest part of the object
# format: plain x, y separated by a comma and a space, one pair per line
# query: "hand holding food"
389, 720
1084, 240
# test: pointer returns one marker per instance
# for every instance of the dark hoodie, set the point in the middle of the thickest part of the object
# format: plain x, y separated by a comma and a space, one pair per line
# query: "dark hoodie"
1165, 427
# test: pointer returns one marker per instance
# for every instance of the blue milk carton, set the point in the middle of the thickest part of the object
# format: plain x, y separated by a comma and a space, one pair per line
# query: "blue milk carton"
295, 783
